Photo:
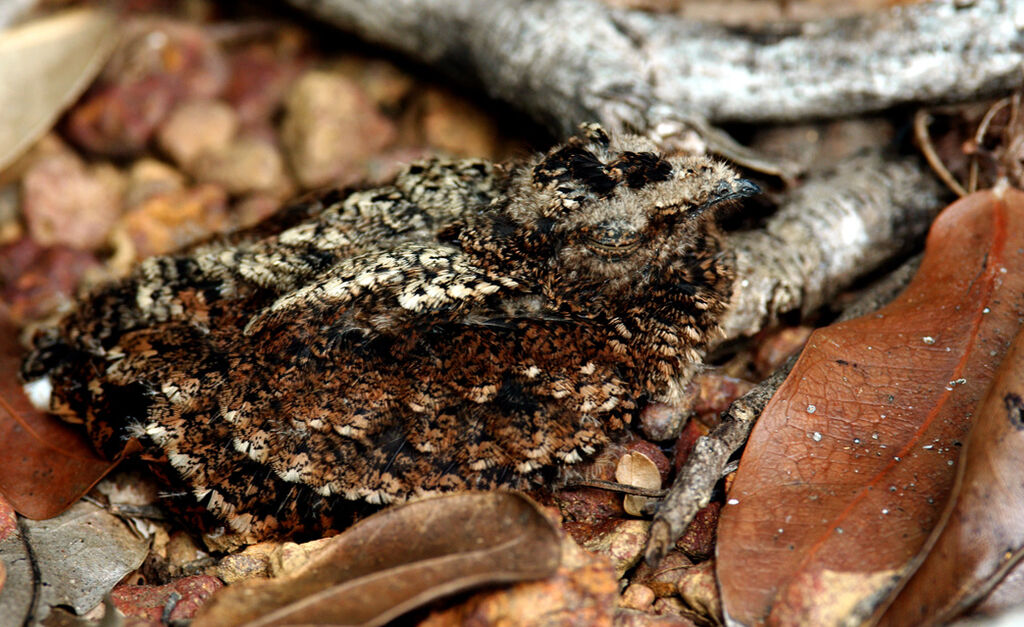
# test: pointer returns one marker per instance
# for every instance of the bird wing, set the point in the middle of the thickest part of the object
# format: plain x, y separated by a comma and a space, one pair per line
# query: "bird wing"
383, 292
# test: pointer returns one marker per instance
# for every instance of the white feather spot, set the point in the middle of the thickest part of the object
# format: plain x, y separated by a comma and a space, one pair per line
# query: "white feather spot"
181, 461
39, 393
573, 457
526, 466
292, 475
459, 291
410, 301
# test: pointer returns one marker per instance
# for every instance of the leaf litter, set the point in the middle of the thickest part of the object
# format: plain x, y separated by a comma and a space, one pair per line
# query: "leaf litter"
399, 559
851, 465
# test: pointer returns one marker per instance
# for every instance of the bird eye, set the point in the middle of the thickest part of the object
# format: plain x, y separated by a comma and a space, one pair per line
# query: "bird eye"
613, 238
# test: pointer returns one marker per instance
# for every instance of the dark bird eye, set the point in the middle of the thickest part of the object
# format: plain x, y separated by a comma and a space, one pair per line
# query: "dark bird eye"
613, 238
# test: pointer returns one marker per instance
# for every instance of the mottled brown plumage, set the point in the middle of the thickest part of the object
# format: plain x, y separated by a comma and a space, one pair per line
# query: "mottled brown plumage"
469, 326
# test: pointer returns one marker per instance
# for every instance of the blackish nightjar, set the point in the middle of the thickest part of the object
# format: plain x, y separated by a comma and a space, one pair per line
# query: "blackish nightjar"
469, 326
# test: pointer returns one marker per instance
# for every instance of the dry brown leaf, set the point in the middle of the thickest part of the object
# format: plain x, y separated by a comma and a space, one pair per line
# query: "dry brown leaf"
1007, 596
399, 559
44, 66
581, 593
850, 465
46, 464
982, 538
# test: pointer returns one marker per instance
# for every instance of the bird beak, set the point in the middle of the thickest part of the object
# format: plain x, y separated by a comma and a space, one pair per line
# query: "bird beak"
736, 188
730, 190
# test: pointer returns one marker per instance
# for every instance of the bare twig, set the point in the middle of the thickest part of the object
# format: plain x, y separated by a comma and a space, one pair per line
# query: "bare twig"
613, 486
924, 140
564, 61
696, 480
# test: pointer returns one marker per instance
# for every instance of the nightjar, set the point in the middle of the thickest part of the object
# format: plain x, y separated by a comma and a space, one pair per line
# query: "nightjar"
469, 326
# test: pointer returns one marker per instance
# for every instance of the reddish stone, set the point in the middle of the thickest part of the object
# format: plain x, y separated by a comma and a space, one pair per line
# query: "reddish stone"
158, 63
775, 349
716, 392
150, 601
260, 76
64, 202
664, 578
33, 278
699, 540
8, 521
590, 506
693, 430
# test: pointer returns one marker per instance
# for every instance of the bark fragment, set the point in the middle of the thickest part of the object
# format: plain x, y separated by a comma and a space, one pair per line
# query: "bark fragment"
565, 61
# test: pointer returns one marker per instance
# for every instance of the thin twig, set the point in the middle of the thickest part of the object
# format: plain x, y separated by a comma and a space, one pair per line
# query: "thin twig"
622, 488
924, 140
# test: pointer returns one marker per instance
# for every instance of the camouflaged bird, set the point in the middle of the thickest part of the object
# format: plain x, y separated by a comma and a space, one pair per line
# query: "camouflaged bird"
470, 326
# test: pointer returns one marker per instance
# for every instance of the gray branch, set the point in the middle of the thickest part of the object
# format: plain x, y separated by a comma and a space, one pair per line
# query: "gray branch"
835, 228
566, 61
692, 488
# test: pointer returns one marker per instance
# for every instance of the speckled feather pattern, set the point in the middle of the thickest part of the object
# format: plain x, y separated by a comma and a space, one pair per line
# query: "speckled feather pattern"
470, 326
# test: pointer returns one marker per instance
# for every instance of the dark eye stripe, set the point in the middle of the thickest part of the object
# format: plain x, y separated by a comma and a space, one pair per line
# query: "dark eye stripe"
640, 168
577, 165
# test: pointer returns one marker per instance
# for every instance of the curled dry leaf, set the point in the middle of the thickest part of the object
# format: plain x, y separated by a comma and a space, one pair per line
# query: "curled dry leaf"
852, 462
399, 559
582, 592
637, 470
47, 465
44, 66
982, 538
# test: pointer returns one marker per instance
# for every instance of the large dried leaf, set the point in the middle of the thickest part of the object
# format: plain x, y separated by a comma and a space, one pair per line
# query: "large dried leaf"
399, 559
44, 66
1008, 595
45, 464
581, 593
15, 592
74, 560
852, 462
983, 537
